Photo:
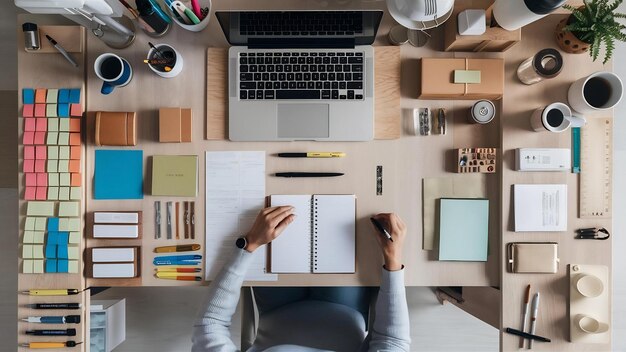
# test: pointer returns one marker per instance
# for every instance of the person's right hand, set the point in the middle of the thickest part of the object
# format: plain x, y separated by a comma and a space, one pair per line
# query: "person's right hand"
392, 251
269, 224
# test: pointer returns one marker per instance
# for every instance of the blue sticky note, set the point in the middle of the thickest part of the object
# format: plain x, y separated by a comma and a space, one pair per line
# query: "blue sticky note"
74, 96
63, 110
118, 174
28, 96
63, 238
463, 229
53, 237
64, 96
62, 266
62, 251
51, 265
53, 224
51, 251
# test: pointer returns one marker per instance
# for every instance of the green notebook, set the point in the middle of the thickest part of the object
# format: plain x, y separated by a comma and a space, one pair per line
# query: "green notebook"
463, 229
175, 175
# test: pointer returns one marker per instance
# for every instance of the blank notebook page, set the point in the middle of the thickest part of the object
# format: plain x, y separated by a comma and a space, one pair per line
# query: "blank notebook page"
291, 251
334, 233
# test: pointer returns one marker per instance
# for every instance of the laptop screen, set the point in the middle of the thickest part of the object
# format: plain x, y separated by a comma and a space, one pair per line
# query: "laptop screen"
300, 28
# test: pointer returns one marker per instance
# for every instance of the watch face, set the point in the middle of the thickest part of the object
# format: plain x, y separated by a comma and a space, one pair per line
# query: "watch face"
241, 243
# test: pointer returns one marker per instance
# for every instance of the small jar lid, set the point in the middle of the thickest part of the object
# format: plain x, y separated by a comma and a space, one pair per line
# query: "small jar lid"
551, 56
483, 111
398, 35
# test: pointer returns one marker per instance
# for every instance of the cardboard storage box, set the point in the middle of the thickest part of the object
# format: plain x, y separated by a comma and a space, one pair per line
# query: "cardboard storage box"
438, 74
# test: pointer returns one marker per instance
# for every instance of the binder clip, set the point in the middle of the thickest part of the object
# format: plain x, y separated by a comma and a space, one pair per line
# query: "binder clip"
593, 233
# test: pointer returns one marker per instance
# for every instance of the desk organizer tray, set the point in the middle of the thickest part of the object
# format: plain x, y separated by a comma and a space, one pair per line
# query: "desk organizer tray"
598, 307
387, 112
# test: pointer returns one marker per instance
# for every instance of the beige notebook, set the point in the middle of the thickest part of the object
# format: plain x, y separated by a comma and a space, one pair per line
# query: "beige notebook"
321, 239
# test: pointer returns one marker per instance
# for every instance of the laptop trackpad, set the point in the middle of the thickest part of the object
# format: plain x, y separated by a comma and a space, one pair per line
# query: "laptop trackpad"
304, 121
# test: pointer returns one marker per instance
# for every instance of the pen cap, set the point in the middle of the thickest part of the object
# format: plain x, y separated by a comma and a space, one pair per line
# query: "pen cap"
71, 332
72, 319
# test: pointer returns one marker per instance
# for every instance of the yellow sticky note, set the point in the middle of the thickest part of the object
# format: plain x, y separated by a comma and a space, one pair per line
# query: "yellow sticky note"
64, 126
40, 208
30, 224
53, 166
51, 110
52, 95
74, 237
72, 252
38, 237
75, 193
64, 224
64, 166
53, 180
64, 193
53, 125
74, 224
64, 180
38, 266
53, 152
69, 209
64, 152
72, 266
52, 138
27, 251
40, 224
27, 266
29, 237
38, 251
53, 193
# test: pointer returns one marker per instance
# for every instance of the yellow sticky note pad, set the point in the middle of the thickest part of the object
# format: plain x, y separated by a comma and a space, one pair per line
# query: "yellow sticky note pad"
74, 224
53, 180
51, 110
64, 224
52, 138
64, 193
64, 166
38, 237
53, 152
69, 209
53, 166
40, 208
30, 224
53, 125
64, 152
64, 180
38, 251
64, 138
40, 224
72, 266
27, 251
38, 266
29, 237
64, 126
75, 193
27, 266
53, 193
74, 237
72, 252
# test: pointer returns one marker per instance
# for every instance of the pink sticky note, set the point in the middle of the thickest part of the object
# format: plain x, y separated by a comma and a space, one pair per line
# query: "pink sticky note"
29, 166
30, 193
76, 110
29, 124
40, 110
29, 138
40, 166
42, 125
40, 152
29, 152
40, 138
31, 179
42, 193
29, 110
42, 180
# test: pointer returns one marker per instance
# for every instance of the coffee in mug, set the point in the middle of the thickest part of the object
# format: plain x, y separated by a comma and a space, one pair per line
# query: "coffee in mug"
113, 70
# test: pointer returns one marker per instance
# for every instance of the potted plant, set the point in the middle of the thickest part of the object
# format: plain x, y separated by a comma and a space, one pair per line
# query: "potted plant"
590, 27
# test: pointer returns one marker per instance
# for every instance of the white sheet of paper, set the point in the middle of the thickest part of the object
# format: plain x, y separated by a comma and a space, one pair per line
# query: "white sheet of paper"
235, 193
540, 207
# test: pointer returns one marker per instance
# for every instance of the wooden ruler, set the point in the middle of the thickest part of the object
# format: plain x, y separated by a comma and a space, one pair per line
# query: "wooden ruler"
596, 164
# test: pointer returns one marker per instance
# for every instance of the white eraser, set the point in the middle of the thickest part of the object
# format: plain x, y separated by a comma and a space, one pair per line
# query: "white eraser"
100, 217
112, 255
123, 270
115, 231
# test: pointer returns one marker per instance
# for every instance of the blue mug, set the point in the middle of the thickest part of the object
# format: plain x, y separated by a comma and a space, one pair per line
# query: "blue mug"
113, 70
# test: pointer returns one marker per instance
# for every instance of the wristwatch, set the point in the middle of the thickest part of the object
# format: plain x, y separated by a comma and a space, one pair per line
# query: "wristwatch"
241, 243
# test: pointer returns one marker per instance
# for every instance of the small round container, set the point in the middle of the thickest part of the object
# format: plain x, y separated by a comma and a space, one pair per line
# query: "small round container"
167, 50
547, 63
482, 112
204, 4
398, 35
417, 38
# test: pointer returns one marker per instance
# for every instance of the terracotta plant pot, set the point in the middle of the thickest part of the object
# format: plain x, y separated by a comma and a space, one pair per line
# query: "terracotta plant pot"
567, 41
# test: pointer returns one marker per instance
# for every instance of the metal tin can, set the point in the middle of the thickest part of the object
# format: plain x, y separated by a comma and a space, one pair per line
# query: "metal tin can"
482, 112
398, 35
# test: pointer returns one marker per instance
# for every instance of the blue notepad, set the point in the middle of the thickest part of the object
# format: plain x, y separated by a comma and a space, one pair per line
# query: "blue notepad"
463, 229
118, 174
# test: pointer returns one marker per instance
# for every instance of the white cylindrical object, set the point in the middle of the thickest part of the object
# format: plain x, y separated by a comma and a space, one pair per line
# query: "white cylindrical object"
609, 91
178, 63
540, 121
513, 14
194, 27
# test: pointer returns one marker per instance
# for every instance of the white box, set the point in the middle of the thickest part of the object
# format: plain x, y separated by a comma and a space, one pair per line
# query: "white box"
101, 217
543, 159
115, 231
107, 324
117, 270
112, 255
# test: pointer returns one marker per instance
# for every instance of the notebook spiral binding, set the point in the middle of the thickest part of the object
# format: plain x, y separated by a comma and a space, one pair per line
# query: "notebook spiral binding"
314, 235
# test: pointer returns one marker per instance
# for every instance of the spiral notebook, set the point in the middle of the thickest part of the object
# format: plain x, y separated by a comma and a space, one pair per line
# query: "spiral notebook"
321, 239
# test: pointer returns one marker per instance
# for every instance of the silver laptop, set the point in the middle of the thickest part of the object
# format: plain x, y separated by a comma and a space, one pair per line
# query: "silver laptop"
300, 75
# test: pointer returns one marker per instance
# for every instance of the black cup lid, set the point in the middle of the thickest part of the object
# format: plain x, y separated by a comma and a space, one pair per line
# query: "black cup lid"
72, 319
29, 27
548, 53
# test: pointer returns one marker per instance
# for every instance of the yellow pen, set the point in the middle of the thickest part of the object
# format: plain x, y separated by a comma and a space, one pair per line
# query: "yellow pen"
179, 248
42, 345
176, 276
46, 292
313, 155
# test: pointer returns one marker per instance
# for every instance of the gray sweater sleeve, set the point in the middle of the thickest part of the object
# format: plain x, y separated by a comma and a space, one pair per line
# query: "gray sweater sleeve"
391, 325
210, 331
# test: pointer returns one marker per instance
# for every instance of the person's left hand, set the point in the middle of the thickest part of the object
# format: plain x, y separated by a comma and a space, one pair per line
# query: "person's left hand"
269, 224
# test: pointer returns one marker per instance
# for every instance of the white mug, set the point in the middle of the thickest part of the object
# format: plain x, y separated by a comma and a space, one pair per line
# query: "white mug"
176, 67
556, 117
596, 92
590, 325
589, 286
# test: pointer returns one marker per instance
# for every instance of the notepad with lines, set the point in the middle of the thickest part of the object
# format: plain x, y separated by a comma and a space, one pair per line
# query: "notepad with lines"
321, 239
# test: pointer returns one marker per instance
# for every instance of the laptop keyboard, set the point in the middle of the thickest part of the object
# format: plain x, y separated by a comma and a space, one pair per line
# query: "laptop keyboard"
309, 23
301, 75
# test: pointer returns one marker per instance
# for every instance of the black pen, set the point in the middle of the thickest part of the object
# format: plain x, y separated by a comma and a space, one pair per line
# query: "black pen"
65, 332
54, 306
527, 335
62, 51
308, 174
380, 228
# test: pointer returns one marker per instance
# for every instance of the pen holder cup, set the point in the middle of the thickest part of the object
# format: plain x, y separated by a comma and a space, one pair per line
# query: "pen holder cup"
167, 51
204, 4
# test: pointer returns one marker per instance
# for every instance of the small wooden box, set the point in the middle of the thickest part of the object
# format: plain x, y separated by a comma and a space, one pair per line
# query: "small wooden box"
473, 160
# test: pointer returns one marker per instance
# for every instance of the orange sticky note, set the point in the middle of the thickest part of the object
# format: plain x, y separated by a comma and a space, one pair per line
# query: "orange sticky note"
76, 180
28, 110
74, 166
76, 110
74, 138
75, 153
40, 95
30, 193
74, 125
40, 110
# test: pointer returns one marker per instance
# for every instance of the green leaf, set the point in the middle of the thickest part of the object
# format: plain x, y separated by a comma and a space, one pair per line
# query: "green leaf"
595, 48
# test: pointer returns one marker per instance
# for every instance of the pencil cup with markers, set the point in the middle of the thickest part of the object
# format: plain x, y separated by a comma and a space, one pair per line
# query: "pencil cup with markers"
165, 61
192, 15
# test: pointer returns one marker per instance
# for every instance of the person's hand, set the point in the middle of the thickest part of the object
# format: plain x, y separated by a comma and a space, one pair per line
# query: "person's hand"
392, 251
270, 223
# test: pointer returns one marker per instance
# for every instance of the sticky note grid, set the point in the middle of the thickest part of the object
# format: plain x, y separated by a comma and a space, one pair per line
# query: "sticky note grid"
52, 229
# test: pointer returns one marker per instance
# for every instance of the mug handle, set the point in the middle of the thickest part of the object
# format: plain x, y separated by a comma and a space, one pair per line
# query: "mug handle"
577, 121
106, 88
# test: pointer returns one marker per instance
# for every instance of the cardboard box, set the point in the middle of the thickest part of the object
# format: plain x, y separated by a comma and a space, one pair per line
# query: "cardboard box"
175, 125
437, 79
116, 128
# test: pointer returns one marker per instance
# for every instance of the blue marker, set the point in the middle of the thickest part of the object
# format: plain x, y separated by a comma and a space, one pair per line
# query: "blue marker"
70, 319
